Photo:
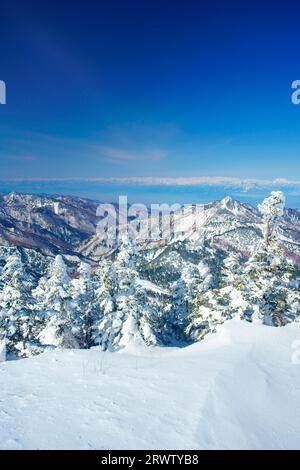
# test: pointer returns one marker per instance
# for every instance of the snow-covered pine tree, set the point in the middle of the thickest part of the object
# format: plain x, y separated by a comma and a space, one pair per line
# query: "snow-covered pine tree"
131, 299
125, 263
232, 268
53, 299
271, 209
138, 317
210, 265
126, 314
270, 286
85, 307
201, 304
182, 309
17, 322
107, 328
231, 291
206, 314
174, 317
267, 286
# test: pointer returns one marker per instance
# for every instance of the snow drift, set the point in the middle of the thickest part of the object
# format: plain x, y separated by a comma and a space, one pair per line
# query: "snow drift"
237, 389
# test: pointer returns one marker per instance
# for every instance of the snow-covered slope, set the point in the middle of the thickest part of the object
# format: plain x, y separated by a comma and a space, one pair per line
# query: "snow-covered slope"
238, 388
49, 224
226, 224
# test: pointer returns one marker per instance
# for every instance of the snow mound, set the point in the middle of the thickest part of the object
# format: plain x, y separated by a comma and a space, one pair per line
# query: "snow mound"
237, 389
147, 285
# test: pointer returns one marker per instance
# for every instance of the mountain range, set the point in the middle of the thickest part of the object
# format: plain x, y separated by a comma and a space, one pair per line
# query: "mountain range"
67, 225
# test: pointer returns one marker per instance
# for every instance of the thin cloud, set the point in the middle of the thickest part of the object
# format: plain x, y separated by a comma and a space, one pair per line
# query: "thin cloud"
119, 154
163, 181
20, 158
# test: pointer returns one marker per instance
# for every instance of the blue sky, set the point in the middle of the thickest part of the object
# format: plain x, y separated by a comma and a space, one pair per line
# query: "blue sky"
149, 89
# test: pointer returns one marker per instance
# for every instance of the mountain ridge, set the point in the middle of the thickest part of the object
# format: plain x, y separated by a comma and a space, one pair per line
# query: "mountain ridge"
67, 225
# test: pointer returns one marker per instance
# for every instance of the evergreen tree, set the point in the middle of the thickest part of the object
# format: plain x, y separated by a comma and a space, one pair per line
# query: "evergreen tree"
270, 286
131, 300
183, 305
232, 268
137, 313
53, 298
271, 208
16, 318
85, 307
211, 305
265, 287
175, 314
107, 328
126, 315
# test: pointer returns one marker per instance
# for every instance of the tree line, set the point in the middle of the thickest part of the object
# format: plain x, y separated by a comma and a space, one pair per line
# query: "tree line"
113, 308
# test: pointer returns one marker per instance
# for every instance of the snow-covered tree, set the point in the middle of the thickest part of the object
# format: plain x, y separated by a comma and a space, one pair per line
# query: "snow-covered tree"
232, 267
131, 298
271, 208
175, 314
108, 326
85, 307
212, 308
126, 314
16, 317
213, 305
136, 326
184, 301
53, 298
265, 287
125, 264
270, 285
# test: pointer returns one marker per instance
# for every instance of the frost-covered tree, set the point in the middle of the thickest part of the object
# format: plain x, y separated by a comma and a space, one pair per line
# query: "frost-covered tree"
125, 264
126, 313
270, 285
265, 287
85, 307
53, 298
213, 305
212, 308
184, 301
232, 267
175, 314
17, 322
136, 327
271, 208
108, 326
131, 298
210, 265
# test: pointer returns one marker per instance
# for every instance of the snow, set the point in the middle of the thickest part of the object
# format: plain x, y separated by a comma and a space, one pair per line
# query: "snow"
148, 285
236, 389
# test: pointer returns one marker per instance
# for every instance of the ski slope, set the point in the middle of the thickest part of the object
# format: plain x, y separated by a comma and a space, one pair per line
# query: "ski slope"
237, 389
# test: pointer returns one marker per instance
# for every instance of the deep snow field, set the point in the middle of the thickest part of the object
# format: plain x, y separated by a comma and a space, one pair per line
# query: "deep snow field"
237, 389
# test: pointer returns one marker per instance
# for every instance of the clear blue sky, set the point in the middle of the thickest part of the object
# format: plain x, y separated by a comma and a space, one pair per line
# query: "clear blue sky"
149, 88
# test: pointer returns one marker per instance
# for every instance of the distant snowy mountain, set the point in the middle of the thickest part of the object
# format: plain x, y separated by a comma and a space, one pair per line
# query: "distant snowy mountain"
67, 225
227, 224
51, 225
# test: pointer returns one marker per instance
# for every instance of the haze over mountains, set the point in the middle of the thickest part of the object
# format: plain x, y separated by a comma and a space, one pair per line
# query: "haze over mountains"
149, 190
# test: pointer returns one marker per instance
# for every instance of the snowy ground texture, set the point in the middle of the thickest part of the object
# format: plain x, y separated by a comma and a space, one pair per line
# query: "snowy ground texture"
237, 389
